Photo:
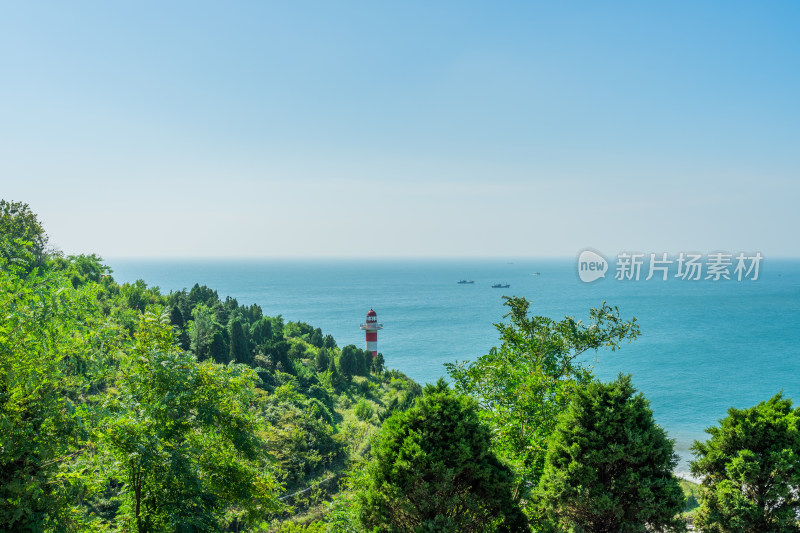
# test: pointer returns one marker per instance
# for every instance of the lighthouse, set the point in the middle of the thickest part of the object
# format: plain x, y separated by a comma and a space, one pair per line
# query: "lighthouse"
371, 326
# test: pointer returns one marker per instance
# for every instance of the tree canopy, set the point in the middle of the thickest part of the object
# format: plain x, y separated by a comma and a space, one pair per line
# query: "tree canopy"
124, 409
23, 240
609, 466
751, 470
524, 385
433, 470
348, 361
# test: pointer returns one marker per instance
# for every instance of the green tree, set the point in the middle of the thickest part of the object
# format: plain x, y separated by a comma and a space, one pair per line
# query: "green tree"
239, 347
348, 364
297, 351
378, 363
336, 378
315, 338
176, 317
329, 342
321, 360
278, 353
432, 470
184, 439
46, 331
17, 221
136, 295
80, 269
366, 356
609, 466
261, 331
201, 330
222, 313
751, 470
361, 366
525, 384
202, 295
218, 349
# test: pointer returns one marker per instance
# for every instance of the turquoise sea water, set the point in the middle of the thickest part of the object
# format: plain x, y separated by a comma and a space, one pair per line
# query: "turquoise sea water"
705, 346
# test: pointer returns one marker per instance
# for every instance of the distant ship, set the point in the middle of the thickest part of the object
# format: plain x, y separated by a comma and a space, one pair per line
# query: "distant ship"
500, 286
464, 282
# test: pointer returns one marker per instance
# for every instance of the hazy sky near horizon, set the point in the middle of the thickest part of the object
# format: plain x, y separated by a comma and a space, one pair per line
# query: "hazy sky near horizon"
275, 129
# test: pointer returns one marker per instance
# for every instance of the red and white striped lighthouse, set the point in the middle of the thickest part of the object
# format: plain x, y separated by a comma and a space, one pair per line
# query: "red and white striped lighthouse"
371, 327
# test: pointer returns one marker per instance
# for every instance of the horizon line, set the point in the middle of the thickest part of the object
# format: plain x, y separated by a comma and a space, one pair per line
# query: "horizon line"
508, 258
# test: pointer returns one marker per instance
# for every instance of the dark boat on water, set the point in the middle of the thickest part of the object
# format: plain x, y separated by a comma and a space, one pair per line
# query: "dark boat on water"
465, 282
500, 286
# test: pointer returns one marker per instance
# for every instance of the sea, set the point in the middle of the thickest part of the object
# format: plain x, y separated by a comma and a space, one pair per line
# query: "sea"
705, 345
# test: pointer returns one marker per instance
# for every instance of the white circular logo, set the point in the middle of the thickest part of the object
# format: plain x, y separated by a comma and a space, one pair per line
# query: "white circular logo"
591, 266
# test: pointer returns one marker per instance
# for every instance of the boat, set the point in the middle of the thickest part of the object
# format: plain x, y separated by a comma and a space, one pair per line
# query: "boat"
465, 282
500, 286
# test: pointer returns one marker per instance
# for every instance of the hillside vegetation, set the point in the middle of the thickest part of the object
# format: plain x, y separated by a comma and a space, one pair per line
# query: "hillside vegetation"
126, 409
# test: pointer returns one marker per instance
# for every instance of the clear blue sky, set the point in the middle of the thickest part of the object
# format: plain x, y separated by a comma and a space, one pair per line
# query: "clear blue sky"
403, 128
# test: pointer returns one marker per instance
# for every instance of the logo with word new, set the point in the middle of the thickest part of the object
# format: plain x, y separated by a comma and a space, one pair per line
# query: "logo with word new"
591, 266
686, 266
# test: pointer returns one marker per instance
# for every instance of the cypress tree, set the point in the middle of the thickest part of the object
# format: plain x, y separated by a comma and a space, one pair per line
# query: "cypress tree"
329, 342
433, 470
378, 363
321, 360
608, 467
335, 377
218, 349
347, 361
239, 347
367, 357
176, 317
177, 320
750, 467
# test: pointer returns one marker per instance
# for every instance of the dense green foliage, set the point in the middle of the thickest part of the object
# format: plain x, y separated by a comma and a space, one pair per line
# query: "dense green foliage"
45, 341
89, 406
107, 422
17, 221
609, 466
751, 470
432, 470
184, 438
125, 409
525, 384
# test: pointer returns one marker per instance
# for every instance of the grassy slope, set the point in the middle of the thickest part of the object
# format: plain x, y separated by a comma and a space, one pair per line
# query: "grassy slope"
692, 492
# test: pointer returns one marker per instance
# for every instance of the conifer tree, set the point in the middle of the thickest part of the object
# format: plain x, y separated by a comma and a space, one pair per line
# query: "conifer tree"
432, 470
608, 468
751, 470
347, 361
239, 347
321, 360
366, 356
378, 363
218, 349
335, 377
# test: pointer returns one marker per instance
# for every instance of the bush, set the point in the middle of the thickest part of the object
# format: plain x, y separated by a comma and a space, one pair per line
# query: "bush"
364, 410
